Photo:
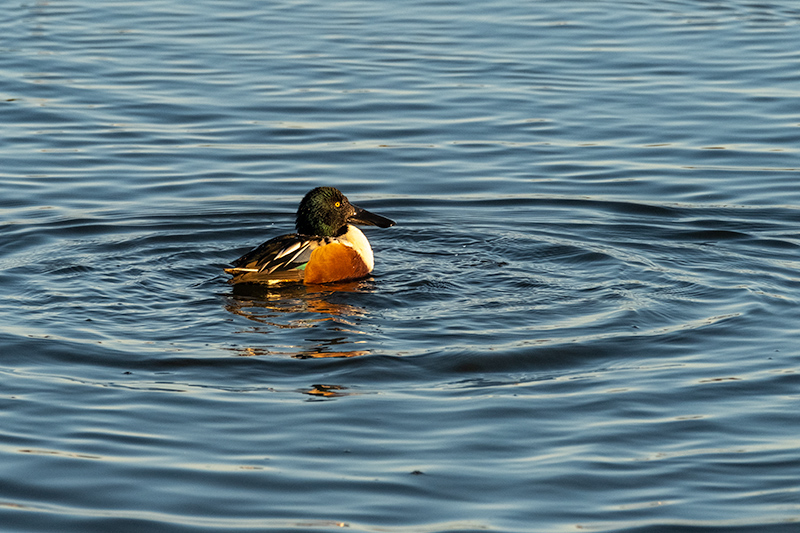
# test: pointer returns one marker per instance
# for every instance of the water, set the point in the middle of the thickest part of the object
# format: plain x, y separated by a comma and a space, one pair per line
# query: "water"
585, 319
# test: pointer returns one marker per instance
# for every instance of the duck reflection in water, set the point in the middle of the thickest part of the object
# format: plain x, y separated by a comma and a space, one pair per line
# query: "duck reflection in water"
279, 306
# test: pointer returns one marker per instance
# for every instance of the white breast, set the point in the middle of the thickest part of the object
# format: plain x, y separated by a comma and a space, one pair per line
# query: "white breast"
360, 244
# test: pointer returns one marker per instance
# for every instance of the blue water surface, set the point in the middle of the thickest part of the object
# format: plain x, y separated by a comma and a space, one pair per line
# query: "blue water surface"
584, 320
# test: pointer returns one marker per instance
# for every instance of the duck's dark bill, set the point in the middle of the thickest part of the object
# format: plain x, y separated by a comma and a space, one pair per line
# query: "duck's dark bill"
363, 216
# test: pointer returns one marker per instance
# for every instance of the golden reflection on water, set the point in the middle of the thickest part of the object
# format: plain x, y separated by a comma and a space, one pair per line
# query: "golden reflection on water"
277, 306
326, 391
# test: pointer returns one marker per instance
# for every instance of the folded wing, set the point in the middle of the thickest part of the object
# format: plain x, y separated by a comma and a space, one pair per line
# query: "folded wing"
281, 258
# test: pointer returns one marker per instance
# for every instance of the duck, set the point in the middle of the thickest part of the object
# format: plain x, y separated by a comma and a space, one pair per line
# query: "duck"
327, 248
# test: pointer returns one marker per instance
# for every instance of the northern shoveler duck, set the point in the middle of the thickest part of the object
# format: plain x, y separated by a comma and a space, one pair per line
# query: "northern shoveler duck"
326, 248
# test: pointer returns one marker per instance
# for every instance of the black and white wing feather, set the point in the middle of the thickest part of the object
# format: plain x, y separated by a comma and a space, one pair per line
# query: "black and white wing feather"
287, 254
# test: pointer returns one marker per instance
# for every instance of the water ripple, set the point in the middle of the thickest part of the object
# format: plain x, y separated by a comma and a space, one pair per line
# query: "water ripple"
584, 318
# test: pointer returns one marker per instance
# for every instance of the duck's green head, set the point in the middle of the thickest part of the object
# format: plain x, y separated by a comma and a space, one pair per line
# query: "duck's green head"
325, 212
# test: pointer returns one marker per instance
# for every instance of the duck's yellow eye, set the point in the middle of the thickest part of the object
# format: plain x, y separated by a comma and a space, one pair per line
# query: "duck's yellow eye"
338, 204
